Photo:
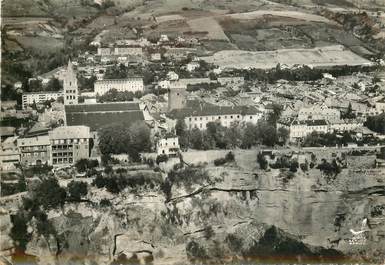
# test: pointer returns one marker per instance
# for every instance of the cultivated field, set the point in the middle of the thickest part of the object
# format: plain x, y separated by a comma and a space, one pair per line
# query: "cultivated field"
209, 24
292, 14
318, 57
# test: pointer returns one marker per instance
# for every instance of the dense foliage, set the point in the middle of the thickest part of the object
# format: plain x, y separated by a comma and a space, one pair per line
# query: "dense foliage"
114, 95
376, 123
77, 190
125, 139
217, 136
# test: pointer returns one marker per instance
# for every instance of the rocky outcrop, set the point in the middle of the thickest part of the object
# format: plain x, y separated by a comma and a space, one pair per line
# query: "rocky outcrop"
303, 218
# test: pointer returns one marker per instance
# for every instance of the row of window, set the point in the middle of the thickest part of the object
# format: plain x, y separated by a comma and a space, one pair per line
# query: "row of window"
62, 154
71, 97
34, 148
34, 154
62, 147
69, 141
62, 160
207, 118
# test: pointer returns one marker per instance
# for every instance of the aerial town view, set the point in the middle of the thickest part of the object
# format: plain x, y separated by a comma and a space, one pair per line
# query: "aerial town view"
181, 132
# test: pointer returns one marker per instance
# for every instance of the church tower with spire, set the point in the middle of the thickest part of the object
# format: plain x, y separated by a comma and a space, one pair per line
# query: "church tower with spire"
70, 86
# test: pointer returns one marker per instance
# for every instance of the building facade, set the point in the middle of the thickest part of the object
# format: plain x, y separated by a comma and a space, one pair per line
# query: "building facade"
70, 86
121, 50
299, 129
168, 146
39, 97
34, 150
200, 121
69, 144
319, 113
132, 84
9, 154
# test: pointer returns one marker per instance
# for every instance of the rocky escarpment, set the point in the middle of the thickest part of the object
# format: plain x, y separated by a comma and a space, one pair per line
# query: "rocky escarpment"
263, 216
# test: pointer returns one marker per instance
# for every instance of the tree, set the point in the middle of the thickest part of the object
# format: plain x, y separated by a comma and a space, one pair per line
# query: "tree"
196, 139
349, 113
275, 114
293, 166
182, 133
19, 232
267, 133
249, 135
77, 190
49, 194
54, 85
376, 123
161, 158
233, 136
125, 138
262, 161
283, 135
82, 165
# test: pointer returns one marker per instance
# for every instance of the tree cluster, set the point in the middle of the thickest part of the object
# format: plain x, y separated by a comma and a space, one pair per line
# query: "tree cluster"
227, 159
114, 95
82, 165
46, 195
376, 123
237, 135
331, 170
125, 138
316, 139
117, 182
13, 188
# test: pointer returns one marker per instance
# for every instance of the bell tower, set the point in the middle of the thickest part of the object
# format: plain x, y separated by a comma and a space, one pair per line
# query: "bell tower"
70, 86
177, 98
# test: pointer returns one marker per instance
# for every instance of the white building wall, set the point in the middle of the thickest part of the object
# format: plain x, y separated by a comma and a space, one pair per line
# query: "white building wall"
200, 122
168, 146
30, 98
103, 86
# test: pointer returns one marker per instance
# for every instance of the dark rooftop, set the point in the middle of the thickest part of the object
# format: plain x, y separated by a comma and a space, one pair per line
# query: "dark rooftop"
102, 107
97, 116
310, 122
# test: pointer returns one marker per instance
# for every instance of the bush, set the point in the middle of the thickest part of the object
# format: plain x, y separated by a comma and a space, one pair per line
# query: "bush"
77, 190
230, 157
82, 165
262, 161
49, 194
220, 161
294, 166
161, 158
19, 233
105, 203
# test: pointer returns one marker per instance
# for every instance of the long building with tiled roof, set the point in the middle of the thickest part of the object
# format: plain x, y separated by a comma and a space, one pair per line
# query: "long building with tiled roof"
198, 114
99, 115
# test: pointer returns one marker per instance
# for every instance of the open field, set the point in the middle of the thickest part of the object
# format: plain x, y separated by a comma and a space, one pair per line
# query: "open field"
318, 57
209, 24
291, 14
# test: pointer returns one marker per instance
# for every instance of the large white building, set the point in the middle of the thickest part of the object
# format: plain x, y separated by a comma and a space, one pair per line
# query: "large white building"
198, 115
69, 144
39, 97
132, 84
299, 129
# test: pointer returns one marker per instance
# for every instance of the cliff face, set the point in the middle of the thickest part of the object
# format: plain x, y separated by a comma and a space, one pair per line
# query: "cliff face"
295, 218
